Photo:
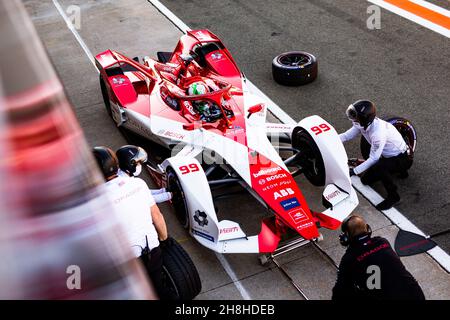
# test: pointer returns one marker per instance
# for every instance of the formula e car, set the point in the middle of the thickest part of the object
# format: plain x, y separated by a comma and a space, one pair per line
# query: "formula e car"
220, 135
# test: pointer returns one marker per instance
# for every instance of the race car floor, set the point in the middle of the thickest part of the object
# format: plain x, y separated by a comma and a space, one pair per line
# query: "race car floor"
136, 28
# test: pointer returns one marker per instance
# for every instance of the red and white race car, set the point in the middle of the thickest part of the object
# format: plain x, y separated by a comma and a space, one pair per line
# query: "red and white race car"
221, 136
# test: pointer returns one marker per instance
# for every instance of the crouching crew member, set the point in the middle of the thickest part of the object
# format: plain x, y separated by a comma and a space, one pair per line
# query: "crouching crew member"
388, 150
140, 218
370, 269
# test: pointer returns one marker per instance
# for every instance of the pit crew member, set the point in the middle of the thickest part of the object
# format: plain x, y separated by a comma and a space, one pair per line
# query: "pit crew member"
131, 158
388, 151
143, 223
371, 257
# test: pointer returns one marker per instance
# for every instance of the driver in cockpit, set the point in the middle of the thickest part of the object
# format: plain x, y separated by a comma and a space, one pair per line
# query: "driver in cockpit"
207, 110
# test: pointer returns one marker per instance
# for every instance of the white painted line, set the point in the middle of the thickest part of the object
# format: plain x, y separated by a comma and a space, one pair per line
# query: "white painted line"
224, 262
75, 33
170, 15
432, 7
392, 214
408, 15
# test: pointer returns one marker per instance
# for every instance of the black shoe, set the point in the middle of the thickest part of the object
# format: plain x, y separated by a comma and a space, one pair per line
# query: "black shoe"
388, 202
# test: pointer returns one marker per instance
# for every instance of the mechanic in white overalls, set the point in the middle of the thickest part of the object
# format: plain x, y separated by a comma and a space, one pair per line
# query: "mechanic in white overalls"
388, 150
131, 158
143, 223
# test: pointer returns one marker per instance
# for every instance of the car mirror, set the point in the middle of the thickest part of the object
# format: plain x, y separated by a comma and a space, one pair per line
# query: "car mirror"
254, 109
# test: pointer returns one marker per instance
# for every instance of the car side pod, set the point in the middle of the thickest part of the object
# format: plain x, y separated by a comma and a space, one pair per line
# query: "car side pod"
339, 196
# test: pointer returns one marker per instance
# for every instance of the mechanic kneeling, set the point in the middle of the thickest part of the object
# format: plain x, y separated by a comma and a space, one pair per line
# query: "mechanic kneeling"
137, 212
370, 269
388, 149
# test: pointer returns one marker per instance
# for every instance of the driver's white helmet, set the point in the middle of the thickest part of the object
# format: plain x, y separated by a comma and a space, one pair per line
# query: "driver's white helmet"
197, 88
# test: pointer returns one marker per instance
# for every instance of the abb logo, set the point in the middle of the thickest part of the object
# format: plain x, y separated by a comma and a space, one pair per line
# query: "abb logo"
283, 193
229, 230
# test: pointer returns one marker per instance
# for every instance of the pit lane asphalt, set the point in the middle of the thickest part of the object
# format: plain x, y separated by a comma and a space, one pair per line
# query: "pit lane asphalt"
136, 28
403, 67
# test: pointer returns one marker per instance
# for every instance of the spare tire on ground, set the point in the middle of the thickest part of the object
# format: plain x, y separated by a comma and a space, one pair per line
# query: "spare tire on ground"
294, 68
180, 274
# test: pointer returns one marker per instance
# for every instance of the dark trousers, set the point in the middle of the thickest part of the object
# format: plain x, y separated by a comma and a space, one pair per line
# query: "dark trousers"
153, 263
383, 170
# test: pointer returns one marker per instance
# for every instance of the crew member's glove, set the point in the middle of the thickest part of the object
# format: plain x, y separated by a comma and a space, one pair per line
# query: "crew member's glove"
352, 172
166, 243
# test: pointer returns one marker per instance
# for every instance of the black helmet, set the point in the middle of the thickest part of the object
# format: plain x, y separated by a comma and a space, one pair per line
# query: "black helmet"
107, 161
129, 157
362, 111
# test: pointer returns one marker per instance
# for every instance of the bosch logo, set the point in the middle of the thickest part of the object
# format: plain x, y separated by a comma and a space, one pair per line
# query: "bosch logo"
201, 218
261, 181
276, 177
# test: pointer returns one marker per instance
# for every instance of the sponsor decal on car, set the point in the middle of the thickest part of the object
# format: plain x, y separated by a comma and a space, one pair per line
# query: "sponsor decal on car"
216, 56
203, 235
283, 193
276, 177
262, 181
118, 80
171, 134
333, 195
267, 171
270, 186
229, 230
189, 107
201, 218
290, 203
298, 216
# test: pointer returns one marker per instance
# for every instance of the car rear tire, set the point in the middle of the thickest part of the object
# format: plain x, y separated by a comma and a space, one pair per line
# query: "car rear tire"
181, 278
178, 199
310, 158
294, 68
105, 96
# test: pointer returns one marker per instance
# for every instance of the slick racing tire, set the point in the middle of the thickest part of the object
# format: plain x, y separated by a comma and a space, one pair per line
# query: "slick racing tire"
405, 128
180, 276
105, 96
294, 68
178, 199
310, 158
